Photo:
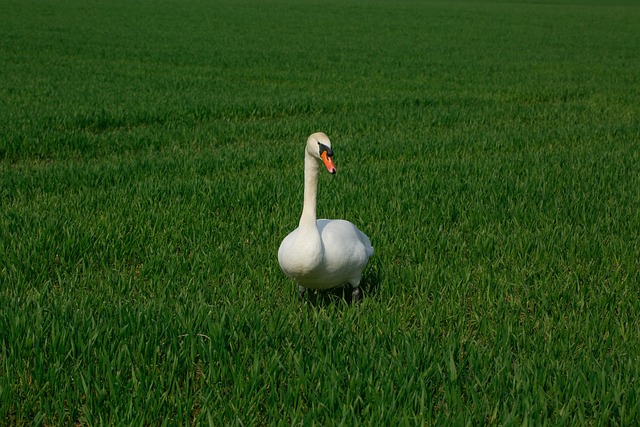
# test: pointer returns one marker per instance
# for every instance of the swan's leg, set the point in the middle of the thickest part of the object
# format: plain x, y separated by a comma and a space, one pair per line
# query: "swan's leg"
356, 296
301, 292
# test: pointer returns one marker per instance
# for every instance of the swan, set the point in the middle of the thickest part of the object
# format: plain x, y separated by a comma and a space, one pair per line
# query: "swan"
322, 254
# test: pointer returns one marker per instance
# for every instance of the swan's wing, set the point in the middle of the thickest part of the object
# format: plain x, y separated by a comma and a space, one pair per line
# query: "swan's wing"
344, 233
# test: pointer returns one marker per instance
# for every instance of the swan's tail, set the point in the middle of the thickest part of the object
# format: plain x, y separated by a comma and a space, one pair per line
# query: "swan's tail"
367, 243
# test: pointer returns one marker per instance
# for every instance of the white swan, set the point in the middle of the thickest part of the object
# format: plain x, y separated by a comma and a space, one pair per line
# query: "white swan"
322, 254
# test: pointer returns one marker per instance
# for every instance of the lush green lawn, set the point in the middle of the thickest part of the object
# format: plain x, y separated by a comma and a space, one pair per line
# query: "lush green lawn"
151, 162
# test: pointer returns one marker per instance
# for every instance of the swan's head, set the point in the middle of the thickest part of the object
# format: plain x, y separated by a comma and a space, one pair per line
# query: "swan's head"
319, 147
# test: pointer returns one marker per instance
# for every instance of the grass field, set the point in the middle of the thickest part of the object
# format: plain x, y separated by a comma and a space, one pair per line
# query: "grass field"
151, 160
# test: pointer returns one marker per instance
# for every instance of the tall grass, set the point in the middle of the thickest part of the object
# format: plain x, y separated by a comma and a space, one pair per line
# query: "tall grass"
151, 163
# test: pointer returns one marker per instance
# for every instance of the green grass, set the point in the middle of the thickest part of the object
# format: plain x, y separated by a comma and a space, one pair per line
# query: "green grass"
151, 163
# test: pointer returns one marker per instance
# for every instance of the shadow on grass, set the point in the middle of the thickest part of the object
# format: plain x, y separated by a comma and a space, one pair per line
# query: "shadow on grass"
370, 284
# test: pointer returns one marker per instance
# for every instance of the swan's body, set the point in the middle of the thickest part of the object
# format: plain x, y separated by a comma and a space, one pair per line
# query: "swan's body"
337, 257
322, 254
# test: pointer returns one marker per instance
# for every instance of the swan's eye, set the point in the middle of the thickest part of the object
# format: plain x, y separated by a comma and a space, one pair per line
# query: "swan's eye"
324, 148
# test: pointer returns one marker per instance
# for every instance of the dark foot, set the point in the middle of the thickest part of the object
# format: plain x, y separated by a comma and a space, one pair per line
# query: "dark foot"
357, 295
311, 295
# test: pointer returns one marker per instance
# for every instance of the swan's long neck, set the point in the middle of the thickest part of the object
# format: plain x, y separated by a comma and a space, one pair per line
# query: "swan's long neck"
308, 218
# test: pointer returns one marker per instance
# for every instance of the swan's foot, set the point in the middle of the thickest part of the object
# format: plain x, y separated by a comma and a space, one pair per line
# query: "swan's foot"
311, 295
357, 295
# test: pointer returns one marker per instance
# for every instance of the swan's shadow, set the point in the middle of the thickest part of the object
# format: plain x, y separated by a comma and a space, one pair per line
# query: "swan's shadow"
370, 284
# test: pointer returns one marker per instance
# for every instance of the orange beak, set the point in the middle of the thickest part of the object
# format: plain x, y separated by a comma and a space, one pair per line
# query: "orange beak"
328, 162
